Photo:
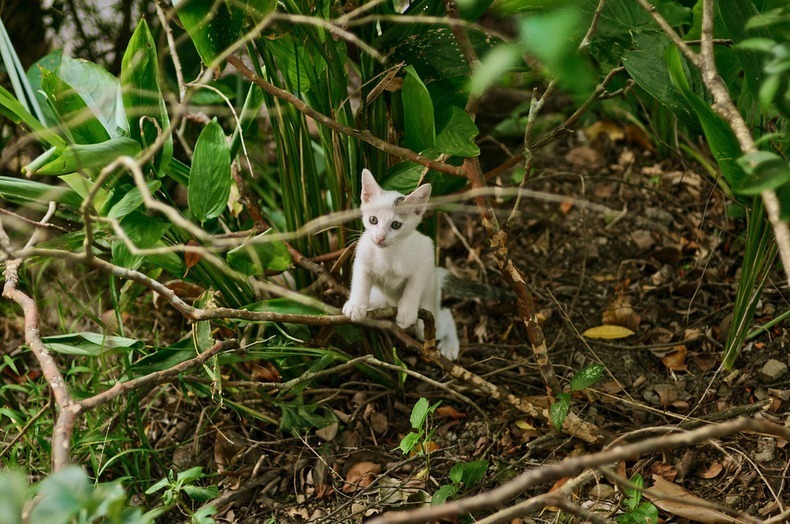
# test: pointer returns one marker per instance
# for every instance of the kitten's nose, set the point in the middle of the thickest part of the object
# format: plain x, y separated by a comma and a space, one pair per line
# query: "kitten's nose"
380, 239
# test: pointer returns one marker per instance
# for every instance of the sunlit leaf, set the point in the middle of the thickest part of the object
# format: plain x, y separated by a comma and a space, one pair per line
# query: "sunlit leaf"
608, 332
586, 377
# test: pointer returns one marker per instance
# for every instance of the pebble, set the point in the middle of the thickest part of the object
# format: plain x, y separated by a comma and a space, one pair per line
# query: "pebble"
773, 370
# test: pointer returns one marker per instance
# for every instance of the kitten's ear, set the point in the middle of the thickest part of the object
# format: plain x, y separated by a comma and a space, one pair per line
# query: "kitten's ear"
419, 198
370, 189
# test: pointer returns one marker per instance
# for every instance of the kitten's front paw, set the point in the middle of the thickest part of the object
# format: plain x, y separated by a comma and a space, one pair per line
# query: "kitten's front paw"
406, 317
355, 310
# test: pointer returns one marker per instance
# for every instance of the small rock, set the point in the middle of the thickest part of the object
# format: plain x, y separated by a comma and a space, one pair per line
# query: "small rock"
601, 491
773, 370
733, 501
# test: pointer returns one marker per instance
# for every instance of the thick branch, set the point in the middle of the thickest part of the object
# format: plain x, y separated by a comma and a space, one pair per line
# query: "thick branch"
575, 465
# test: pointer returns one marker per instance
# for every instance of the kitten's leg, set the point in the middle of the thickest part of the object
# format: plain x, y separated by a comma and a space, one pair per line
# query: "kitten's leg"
378, 299
447, 334
419, 292
356, 308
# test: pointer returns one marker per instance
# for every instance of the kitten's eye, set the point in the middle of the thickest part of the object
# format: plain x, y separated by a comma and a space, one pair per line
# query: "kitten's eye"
396, 225
373, 220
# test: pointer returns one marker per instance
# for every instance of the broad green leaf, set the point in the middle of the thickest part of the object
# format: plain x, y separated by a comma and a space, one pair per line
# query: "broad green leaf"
50, 62
85, 156
16, 112
90, 344
443, 493
734, 17
12, 496
433, 51
635, 495
409, 442
553, 37
418, 120
653, 77
82, 186
213, 25
143, 231
200, 494
473, 472
100, 90
259, 9
457, 472
457, 136
586, 377
209, 178
23, 189
142, 95
77, 118
471, 10
190, 475
493, 66
419, 413
62, 495
296, 62
608, 332
131, 200
559, 410
721, 139
256, 256
766, 170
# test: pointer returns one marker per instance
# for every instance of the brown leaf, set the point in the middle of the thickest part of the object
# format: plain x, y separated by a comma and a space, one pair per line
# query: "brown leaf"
379, 422
664, 470
675, 500
265, 373
192, 257
712, 471
676, 359
620, 313
448, 411
327, 433
361, 475
585, 156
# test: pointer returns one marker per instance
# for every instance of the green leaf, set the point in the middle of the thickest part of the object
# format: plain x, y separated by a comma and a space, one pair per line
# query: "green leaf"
473, 472
163, 483
20, 188
80, 157
62, 495
143, 231
50, 62
635, 495
457, 136
721, 139
213, 25
76, 118
12, 496
409, 441
190, 475
296, 63
443, 493
457, 472
131, 200
142, 95
767, 171
100, 91
499, 61
552, 37
200, 494
586, 377
16, 112
209, 178
253, 258
654, 77
286, 306
82, 186
418, 121
559, 410
90, 344
419, 413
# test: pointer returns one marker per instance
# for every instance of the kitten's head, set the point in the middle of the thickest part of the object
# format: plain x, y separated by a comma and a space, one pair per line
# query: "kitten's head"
388, 215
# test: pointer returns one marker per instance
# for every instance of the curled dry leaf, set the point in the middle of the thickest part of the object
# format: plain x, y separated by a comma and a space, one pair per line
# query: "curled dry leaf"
448, 411
711, 471
620, 313
608, 332
675, 359
192, 257
265, 373
327, 433
361, 475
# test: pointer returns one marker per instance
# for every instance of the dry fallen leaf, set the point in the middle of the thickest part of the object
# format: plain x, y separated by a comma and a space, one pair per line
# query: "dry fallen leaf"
676, 359
327, 433
675, 500
361, 475
448, 411
620, 313
608, 332
712, 471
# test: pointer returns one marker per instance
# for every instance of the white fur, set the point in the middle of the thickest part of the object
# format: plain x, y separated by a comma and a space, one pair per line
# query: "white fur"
396, 266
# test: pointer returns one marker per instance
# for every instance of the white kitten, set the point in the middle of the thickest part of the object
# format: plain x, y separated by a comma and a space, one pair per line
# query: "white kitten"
394, 263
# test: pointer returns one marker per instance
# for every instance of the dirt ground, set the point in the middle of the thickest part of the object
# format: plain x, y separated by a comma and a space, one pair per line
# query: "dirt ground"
638, 243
